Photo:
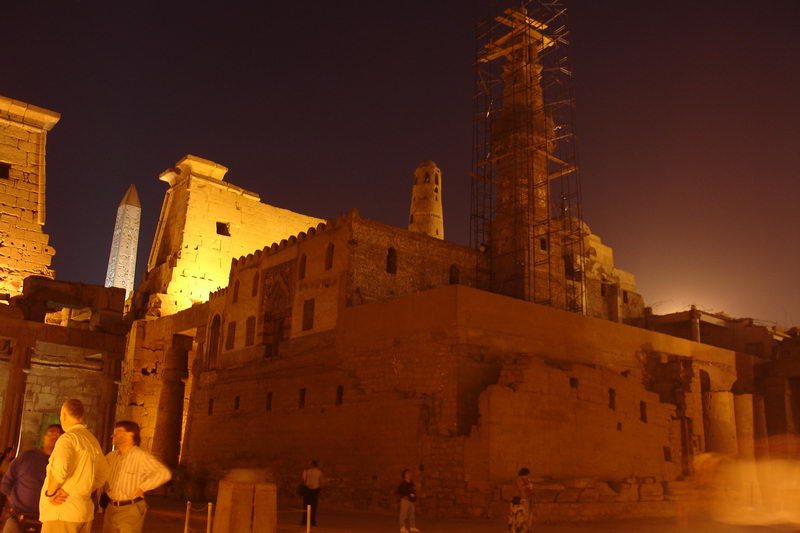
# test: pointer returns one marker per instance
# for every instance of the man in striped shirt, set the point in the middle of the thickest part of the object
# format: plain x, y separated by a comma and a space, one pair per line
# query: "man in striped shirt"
133, 472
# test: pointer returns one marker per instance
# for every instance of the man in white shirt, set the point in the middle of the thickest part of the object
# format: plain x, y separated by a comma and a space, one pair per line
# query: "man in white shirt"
133, 472
76, 468
312, 480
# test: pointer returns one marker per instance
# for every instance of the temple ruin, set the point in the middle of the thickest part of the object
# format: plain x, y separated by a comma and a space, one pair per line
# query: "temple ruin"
375, 348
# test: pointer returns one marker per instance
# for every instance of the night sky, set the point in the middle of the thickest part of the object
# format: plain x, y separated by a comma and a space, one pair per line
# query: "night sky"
687, 113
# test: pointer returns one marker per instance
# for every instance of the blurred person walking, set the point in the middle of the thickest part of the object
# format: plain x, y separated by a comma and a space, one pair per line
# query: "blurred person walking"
519, 516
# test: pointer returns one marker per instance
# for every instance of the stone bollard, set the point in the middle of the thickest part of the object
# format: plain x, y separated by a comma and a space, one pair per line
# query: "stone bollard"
246, 503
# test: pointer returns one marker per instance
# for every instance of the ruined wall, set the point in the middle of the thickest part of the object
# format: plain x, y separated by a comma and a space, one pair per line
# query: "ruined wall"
610, 292
205, 223
24, 248
445, 379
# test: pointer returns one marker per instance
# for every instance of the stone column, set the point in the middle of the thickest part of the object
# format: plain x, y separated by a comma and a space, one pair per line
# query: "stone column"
169, 419
15, 390
745, 426
694, 324
760, 427
721, 423
112, 368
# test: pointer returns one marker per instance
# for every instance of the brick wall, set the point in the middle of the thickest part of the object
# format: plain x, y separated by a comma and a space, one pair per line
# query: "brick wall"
24, 248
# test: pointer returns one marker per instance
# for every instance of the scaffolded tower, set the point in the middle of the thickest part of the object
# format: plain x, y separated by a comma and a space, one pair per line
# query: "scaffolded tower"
526, 211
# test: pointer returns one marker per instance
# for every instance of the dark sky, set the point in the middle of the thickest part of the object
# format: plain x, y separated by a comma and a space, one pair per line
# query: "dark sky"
687, 113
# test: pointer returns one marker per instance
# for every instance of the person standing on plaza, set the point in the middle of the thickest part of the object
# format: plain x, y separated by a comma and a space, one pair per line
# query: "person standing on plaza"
76, 468
22, 484
519, 516
408, 499
133, 472
312, 481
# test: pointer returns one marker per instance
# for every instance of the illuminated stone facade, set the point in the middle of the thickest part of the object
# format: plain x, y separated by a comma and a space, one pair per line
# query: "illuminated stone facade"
24, 247
205, 222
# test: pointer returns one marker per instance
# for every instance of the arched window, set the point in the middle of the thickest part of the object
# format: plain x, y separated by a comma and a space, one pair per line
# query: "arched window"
455, 275
301, 267
213, 342
329, 257
427, 177
236, 291
255, 285
391, 261
436, 179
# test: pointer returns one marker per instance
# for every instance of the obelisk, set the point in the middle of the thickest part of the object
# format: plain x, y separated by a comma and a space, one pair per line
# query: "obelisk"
122, 260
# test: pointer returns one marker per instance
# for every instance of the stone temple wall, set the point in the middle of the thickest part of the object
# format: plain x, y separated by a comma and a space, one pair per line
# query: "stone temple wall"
24, 248
204, 223
465, 387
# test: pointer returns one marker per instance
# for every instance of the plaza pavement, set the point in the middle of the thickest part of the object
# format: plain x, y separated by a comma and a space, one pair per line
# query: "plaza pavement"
167, 516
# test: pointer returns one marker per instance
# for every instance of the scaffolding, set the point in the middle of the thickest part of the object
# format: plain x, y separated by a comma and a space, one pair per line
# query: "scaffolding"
526, 205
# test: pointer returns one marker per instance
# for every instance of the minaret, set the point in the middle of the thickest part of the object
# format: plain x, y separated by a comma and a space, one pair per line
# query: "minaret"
122, 260
426, 201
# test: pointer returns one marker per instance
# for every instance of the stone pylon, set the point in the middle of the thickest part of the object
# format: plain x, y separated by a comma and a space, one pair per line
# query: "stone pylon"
122, 259
426, 201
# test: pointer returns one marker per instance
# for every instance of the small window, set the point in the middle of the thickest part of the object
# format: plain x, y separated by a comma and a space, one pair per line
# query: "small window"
624, 296
250, 331
603, 290
427, 177
619, 426
269, 402
391, 261
5, 170
210, 406
643, 411
308, 314
455, 275
573, 382
236, 291
236, 403
612, 399
301, 267
254, 291
230, 340
301, 399
339, 394
329, 257
667, 454
411, 219
436, 179
543, 244
224, 228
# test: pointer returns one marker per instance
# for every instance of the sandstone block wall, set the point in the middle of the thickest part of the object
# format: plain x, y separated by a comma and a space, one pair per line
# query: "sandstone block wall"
440, 381
205, 223
24, 247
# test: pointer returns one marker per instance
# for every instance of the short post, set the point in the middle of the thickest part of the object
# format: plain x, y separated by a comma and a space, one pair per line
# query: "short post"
308, 519
208, 521
186, 518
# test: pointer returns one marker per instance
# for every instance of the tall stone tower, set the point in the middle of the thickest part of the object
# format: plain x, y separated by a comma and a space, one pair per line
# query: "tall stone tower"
122, 259
24, 248
426, 201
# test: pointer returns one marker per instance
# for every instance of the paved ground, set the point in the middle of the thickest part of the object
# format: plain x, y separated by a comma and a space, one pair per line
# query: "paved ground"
167, 516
